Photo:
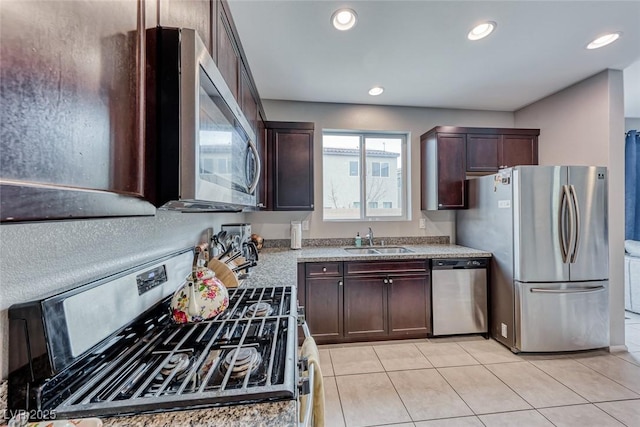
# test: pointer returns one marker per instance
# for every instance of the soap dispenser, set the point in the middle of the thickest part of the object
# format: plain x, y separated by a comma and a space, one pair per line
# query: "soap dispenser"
358, 240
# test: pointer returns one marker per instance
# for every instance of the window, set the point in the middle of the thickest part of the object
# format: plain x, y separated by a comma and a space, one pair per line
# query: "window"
373, 195
206, 165
222, 166
353, 168
380, 169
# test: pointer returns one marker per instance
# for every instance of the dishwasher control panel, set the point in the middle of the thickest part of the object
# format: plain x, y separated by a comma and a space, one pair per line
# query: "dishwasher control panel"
459, 263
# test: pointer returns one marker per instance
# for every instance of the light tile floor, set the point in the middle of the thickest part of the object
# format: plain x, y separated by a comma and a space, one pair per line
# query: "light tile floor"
470, 381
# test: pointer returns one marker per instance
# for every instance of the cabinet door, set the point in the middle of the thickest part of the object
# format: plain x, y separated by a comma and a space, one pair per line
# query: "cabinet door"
248, 102
261, 143
517, 150
194, 14
451, 171
409, 305
482, 153
324, 308
228, 56
291, 178
365, 307
71, 144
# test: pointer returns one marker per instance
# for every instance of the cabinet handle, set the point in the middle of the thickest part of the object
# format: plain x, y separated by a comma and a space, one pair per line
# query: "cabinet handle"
324, 269
385, 281
391, 281
340, 283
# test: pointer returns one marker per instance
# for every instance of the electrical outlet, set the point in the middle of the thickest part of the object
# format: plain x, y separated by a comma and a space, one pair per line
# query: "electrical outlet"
504, 330
422, 223
305, 225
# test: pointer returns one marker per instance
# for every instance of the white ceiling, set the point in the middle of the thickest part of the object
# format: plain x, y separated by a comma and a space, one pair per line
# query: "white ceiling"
418, 50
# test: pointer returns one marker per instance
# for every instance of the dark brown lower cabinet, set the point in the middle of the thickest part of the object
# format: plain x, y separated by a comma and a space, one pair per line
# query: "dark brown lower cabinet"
387, 306
324, 308
370, 301
365, 308
409, 306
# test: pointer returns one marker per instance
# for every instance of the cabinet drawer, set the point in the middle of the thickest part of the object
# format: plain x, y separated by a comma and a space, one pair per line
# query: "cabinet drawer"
324, 269
390, 266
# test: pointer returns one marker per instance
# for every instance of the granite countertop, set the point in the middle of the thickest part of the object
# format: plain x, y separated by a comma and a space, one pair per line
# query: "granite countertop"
425, 251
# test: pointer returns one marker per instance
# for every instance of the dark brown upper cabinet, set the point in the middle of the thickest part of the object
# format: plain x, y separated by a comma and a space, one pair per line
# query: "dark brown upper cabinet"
491, 152
450, 153
248, 101
71, 139
443, 159
197, 14
228, 53
261, 143
290, 164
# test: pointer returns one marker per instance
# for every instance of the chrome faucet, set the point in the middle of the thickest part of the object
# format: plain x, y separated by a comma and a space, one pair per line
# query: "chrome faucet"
370, 236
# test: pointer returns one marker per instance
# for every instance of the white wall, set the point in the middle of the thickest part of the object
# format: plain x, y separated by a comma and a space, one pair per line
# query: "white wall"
41, 259
416, 121
584, 125
631, 124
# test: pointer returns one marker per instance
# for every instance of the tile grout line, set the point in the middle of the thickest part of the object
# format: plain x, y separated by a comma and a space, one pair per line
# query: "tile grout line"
611, 415
344, 419
451, 386
606, 376
393, 385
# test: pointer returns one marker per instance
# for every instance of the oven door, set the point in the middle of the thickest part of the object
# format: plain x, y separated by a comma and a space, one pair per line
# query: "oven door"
219, 159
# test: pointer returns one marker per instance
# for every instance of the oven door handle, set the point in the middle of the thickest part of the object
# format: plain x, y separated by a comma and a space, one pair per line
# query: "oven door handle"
308, 412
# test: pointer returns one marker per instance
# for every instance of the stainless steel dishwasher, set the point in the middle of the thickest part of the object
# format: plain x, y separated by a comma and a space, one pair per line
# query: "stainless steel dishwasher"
459, 296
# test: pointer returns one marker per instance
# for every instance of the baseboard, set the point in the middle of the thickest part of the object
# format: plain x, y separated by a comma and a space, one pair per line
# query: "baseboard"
618, 348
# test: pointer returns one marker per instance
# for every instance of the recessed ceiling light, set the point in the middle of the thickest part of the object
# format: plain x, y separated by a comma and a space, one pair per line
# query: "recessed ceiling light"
482, 30
344, 19
604, 40
376, 90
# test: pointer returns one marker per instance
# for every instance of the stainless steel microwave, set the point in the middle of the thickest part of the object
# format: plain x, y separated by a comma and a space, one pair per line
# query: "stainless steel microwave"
200, 149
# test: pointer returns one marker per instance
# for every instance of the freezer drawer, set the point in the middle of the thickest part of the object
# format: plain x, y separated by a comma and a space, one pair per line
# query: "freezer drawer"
562, 316
459, 299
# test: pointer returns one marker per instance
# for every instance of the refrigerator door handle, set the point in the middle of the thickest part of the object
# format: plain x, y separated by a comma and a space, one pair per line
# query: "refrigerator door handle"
576, 230
567, 291
562, 224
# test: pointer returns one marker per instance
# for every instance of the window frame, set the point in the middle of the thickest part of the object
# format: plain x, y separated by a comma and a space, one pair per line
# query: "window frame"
405, 189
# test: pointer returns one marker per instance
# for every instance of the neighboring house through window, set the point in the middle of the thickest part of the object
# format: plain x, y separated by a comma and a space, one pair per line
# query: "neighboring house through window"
379, 192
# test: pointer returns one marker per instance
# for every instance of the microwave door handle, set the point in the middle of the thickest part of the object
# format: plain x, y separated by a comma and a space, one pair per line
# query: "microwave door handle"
576, 208
256, 175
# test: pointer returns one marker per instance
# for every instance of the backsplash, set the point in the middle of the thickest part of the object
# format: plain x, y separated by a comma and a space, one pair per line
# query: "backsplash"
45, 258
377, 241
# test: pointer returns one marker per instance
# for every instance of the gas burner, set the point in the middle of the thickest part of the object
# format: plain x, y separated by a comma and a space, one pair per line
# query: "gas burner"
178, 363
259, 309
247, 361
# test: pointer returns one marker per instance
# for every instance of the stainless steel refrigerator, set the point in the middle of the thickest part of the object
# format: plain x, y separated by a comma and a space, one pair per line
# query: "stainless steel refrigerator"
547, 229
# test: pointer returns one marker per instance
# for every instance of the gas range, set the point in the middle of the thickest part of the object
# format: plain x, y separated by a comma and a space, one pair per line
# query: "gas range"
126, 356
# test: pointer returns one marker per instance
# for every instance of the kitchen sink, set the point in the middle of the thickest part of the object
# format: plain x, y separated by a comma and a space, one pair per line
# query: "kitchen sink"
393, 250
361, 251
379, 250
